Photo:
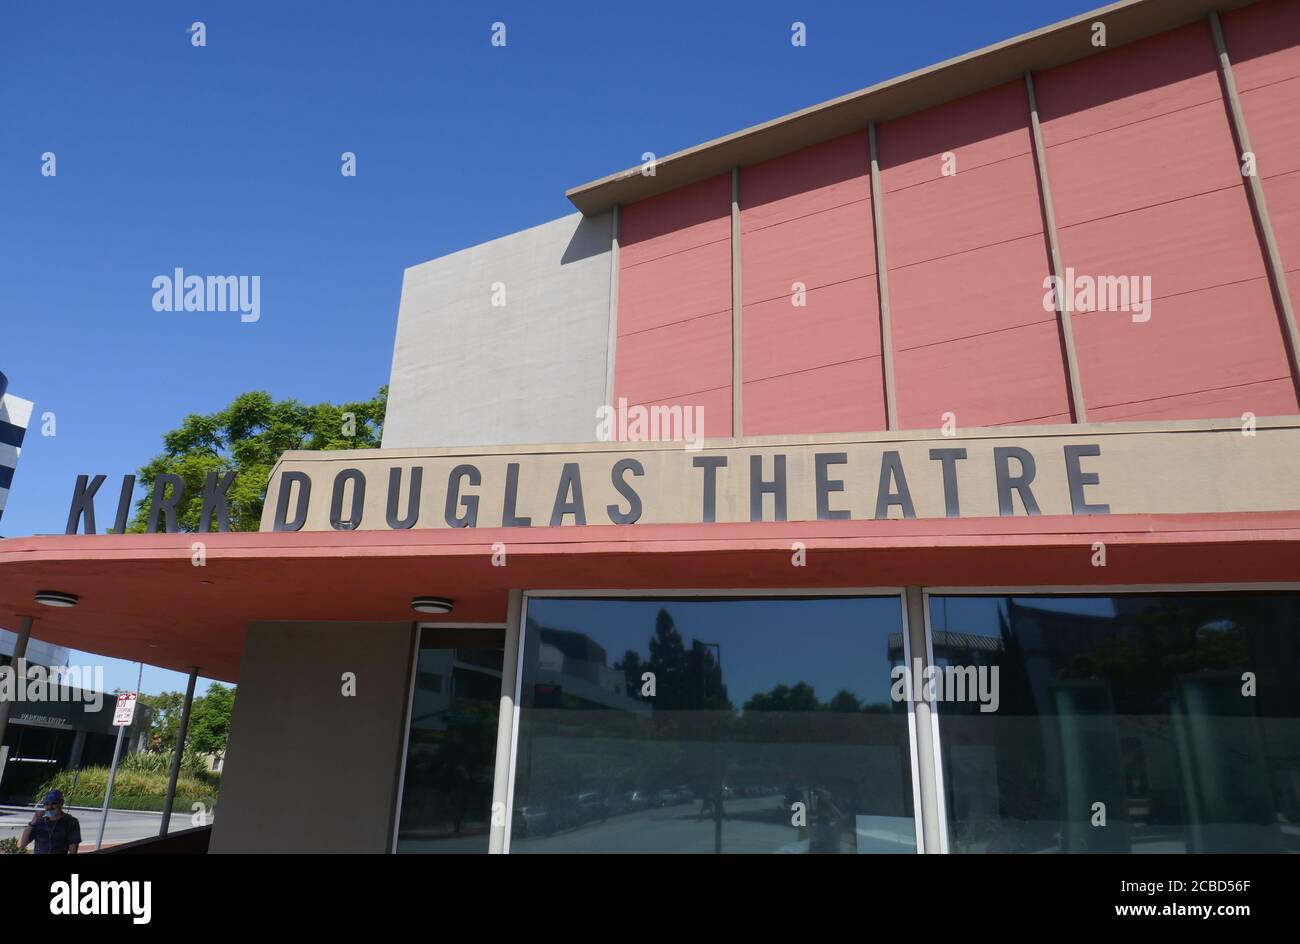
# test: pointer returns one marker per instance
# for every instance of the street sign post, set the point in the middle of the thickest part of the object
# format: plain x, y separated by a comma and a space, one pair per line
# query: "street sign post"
123, 715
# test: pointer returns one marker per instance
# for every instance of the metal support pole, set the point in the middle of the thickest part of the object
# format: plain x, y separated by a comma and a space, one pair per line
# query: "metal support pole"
20, 651
108, 791
175, 772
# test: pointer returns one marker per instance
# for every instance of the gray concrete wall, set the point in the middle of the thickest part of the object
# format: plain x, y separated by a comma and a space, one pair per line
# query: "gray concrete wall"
307, 769
468, 373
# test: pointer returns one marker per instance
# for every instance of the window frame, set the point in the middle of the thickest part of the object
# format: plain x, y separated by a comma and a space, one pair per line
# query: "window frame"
1057, 590
520, 629
417, 632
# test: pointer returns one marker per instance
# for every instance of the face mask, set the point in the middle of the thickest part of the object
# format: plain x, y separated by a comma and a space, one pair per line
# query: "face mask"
51, 814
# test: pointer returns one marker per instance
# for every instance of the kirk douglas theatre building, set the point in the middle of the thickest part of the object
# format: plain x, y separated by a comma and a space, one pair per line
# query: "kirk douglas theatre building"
918, 472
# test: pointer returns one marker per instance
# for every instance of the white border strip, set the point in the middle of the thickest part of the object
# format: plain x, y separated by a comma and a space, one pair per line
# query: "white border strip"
1108, 589
697, 592
911, 728
406, 738
514, 726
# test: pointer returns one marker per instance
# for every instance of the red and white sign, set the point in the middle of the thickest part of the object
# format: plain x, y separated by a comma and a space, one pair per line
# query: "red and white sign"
125, 712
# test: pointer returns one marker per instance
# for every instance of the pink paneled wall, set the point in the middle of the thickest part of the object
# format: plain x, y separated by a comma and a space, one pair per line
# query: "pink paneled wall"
967, 258
811, 337
1264, 42
1145, 182
673, 342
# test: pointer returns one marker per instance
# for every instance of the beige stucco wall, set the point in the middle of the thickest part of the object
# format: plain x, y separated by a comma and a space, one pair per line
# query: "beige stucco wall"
1166, 468
309, 769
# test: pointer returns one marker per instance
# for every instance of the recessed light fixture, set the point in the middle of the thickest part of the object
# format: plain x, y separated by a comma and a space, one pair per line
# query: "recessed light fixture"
431, 604
55, 598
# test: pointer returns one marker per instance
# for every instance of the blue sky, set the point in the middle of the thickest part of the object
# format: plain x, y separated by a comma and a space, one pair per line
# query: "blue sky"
225, 160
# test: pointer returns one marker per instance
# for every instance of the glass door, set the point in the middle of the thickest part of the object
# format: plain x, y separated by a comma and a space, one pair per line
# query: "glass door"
451, 742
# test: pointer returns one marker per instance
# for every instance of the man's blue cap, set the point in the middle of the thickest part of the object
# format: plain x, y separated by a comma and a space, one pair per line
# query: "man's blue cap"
54, 796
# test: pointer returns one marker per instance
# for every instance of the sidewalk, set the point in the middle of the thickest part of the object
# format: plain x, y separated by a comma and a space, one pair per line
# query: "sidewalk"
123, 825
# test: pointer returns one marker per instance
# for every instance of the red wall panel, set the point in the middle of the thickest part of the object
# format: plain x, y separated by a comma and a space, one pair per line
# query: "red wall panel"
1263, 43
967, 257
1146, 183
806, 218
673, 342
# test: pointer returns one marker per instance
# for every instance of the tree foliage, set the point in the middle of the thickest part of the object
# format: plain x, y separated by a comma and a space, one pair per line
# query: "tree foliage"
248, 437
209, 720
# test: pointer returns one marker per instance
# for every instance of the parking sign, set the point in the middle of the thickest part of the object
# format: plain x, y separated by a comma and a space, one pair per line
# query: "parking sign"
125, 710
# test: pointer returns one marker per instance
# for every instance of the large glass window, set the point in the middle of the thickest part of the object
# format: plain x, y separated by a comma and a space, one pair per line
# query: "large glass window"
712, 725
451, 748
1126, 723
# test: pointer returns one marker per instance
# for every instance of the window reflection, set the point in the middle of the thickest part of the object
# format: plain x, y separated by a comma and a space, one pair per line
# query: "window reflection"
451, 749
1175, 719
712, 725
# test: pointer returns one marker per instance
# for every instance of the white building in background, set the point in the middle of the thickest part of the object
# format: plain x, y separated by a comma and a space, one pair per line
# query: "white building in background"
15, 414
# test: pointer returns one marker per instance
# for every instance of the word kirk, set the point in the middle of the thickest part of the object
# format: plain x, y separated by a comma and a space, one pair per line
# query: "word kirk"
666, 486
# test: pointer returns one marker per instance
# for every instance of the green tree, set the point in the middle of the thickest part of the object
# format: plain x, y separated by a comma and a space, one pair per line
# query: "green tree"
165, 720
797, 697
248, 437
845, 701
210, 720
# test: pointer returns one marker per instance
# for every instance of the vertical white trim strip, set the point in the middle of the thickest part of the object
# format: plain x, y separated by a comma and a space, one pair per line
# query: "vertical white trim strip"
930, 805
503, 768
406, 733
517, 625
1054, 246
936, 747
882, 283
611, 344
918, 820
737, 313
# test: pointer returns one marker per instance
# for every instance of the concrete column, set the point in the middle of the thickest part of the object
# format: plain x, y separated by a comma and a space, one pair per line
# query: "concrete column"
181, 732
501, 784
78, 748
20, 651
932, 826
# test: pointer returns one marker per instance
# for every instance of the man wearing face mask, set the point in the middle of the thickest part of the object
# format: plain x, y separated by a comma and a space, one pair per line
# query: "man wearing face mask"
55, 832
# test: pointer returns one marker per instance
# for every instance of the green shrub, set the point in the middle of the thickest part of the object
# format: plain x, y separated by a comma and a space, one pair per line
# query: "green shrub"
141, 784
161, 762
